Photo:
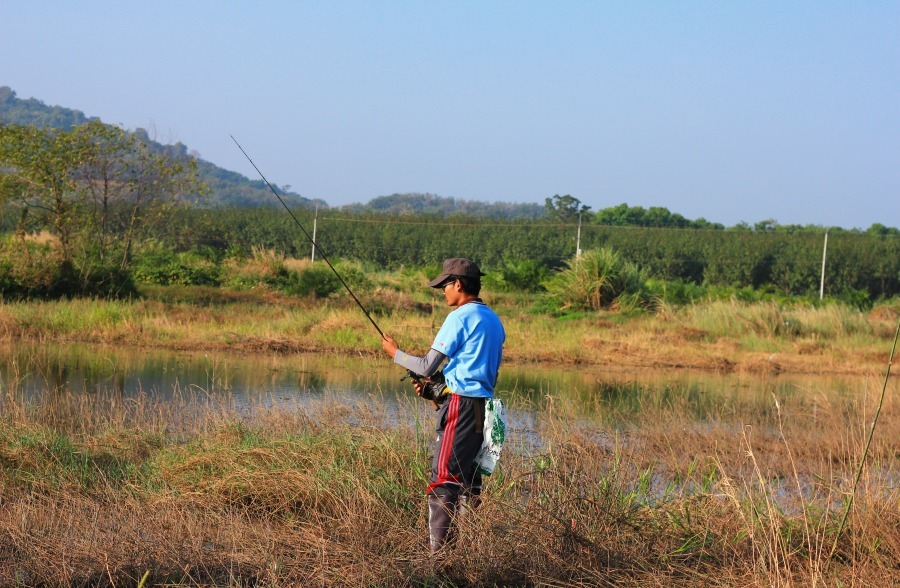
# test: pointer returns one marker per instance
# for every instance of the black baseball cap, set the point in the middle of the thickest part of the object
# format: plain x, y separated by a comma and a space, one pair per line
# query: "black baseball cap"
457, 267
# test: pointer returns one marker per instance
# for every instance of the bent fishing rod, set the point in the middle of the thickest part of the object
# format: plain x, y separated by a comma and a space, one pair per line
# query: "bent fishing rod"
311, 240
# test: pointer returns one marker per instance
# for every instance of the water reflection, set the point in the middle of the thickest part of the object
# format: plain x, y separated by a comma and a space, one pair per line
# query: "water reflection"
607, 396
650, 407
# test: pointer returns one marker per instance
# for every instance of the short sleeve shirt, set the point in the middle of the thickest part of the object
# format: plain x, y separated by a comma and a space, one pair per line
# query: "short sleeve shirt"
472, 338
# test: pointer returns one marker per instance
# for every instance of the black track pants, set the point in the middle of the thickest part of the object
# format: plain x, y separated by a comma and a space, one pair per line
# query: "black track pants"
460, 423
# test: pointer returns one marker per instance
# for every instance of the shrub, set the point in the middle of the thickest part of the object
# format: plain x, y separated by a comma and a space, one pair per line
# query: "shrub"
164, 267
858, 299
674, 291
527, 275
354, 274
106, 281
317, 281
598, 279
34, 267
29, 268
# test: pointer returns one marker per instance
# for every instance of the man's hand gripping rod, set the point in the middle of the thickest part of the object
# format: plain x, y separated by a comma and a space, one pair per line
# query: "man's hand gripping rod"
418, 380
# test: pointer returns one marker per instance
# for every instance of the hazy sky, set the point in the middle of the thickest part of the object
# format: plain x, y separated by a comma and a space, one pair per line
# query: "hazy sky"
733, 111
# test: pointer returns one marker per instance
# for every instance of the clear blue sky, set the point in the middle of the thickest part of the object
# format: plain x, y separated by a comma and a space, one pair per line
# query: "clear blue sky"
733, 111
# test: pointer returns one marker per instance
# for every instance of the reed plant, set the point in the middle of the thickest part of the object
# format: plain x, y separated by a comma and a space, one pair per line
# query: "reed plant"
596, 280
721, 318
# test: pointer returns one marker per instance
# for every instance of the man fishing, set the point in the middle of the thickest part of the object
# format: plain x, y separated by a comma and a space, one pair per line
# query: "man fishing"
471, 341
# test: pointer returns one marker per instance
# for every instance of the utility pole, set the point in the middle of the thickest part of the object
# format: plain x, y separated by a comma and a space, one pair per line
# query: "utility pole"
312, 257
822, 283
578, 239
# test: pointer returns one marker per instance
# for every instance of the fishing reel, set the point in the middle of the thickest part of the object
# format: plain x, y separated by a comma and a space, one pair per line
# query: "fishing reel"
433, 388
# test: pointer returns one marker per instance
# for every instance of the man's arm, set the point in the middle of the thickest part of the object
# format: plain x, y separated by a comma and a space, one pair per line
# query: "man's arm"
424, 366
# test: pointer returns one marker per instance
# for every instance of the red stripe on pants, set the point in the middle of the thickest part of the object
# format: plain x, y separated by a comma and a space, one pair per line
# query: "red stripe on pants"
443, 470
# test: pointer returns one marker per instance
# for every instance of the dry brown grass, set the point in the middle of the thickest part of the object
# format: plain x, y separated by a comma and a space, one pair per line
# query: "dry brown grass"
99, 490
42, 238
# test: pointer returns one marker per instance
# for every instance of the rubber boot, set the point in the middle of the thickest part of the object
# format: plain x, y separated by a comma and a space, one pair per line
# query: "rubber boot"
467, 503
441, 510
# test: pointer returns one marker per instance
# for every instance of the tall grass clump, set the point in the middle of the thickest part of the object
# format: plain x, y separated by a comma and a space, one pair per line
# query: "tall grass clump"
261, 267
735, 318
832, 320
294, 277
598, 279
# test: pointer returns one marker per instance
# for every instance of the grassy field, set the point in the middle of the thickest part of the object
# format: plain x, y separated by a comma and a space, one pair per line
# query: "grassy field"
719, 335
107, 490
103, 490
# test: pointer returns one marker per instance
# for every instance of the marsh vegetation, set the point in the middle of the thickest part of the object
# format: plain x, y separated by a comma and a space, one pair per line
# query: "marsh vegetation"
196, 489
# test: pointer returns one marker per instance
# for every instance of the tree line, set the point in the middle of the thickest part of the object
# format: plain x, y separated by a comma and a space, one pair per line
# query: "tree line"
785, 262
107, 197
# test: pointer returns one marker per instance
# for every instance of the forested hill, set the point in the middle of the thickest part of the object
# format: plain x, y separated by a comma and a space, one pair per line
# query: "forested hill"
226, 188
15, 111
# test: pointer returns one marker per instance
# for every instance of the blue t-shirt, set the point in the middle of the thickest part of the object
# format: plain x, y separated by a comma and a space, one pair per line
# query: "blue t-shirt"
472, 339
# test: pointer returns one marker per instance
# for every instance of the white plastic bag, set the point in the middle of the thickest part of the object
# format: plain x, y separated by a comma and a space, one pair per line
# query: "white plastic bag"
494, 436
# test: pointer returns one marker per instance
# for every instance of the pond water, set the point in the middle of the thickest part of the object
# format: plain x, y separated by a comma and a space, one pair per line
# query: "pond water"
607, 394
603, 400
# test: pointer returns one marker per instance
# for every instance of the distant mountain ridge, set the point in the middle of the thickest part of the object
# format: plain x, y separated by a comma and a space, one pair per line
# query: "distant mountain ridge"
16, 111
434, 205
226, 188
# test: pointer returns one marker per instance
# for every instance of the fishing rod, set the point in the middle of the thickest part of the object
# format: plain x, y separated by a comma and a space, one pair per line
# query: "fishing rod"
311, 240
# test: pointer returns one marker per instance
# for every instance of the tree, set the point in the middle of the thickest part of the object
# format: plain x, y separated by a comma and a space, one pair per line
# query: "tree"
39, 171
133, 189
766, 226
565, 208
879, 230
97, 187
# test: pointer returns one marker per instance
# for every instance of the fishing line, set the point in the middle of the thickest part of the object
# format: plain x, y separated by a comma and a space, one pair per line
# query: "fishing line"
317, 248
